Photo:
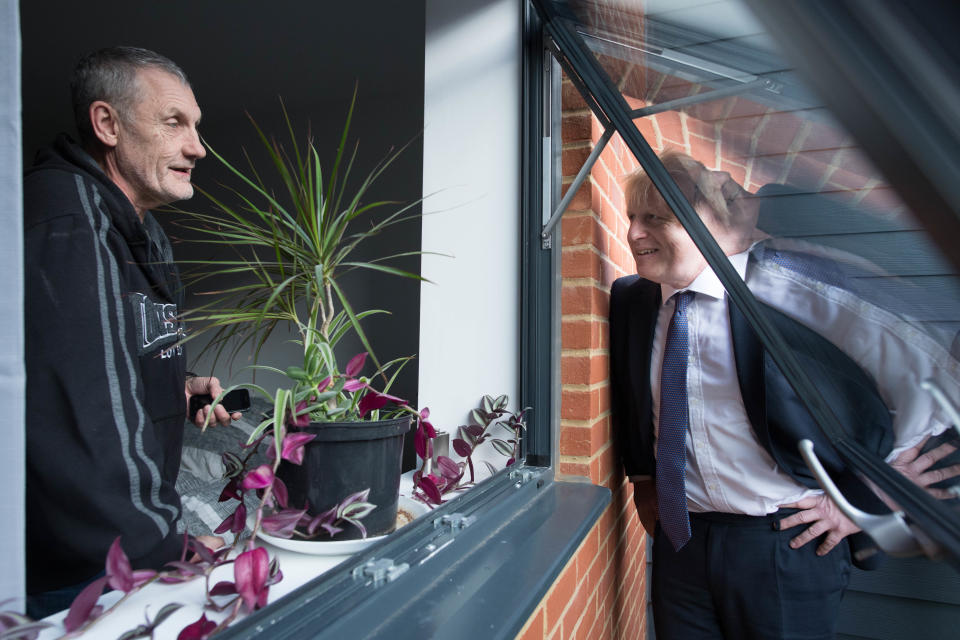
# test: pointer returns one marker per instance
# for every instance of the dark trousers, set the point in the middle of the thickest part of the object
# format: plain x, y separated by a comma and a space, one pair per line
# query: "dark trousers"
738, 578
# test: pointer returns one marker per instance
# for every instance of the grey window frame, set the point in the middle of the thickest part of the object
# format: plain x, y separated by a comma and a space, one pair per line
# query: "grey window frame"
937, 520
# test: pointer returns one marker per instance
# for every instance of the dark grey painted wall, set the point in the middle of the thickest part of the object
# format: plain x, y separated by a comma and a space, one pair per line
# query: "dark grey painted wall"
241, 56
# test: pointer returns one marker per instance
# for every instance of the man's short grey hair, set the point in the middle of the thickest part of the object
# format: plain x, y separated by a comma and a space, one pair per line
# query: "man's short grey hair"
111, 75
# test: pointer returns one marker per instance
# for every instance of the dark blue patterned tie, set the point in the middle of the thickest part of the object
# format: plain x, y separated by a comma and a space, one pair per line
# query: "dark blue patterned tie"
672, 434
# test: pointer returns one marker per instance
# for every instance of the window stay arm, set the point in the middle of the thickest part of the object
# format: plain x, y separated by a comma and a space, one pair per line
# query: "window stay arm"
762, 83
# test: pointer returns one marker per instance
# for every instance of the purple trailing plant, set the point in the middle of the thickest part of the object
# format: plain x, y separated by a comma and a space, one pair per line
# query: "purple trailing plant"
254, 571
448, 475
17, 626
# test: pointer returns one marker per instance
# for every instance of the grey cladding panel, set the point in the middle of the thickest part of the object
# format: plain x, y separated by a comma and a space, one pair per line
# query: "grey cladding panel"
904, 253
890, 618
916, 578
788, 212
924, 298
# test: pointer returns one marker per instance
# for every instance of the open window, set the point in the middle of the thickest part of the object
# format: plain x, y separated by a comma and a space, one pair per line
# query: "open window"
712, 82
712, 79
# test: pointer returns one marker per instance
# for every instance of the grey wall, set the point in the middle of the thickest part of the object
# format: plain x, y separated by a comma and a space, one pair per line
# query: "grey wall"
241, 56
12, 377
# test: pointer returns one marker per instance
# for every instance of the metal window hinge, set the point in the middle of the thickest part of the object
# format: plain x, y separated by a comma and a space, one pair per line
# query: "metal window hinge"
454, 521
523, 476
381, 570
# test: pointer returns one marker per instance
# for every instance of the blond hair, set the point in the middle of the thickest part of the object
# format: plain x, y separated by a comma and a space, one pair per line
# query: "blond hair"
691, 175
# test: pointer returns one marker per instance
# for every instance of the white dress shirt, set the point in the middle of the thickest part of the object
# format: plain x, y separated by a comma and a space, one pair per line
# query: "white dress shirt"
728, 470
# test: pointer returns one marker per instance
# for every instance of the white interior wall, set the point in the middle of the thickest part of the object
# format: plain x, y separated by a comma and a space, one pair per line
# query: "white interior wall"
12, 377
469, 316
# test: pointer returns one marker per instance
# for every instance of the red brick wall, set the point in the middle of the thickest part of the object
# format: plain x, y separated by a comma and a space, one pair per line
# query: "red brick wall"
601, 593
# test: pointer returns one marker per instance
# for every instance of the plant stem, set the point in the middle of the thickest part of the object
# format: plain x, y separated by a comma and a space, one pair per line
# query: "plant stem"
267, 493
89, 623
229, 619
328, 295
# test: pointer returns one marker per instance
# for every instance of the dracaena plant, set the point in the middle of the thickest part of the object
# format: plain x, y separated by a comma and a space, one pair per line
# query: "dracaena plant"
290, 249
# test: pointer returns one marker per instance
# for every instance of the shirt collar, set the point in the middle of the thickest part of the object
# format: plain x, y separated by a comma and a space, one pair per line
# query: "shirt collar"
707, 283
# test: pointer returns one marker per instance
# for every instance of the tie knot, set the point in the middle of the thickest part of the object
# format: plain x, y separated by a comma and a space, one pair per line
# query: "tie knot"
683, 300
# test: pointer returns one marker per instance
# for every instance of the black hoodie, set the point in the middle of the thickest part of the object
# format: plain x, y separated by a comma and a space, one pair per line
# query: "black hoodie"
105, 379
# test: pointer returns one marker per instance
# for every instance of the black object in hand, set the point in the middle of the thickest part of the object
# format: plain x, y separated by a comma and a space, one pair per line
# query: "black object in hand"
236, 401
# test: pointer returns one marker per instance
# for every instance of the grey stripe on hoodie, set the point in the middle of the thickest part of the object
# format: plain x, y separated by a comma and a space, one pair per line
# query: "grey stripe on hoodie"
113, 381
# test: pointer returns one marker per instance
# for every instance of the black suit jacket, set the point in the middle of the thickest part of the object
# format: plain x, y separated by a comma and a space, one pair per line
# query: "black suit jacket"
777, 416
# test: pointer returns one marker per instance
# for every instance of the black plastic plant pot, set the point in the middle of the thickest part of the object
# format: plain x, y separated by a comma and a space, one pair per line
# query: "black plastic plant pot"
344, 458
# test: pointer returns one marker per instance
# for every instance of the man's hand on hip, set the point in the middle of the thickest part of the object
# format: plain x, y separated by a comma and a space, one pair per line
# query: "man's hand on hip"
918, 467
824, 517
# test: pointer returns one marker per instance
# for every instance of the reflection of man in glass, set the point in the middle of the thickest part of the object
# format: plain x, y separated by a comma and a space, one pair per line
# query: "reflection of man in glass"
707, 426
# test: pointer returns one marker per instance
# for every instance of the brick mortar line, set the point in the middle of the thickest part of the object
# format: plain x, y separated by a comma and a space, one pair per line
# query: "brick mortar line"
793, 150
570, 248
575, 213
657, 133
586, 459
580, 424
571, 459
685, 130
717, 145
585, 352
576, 112
606, 257
571, 283
583, 387
596, 214
581, 317
599, 254
836, 162
571, 565
693, 134
865, 190
655, 88
576, 144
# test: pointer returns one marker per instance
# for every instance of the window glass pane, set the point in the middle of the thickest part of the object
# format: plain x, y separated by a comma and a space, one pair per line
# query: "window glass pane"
843, 269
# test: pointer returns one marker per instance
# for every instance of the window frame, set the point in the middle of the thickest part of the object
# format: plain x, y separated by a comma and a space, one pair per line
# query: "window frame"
603, 98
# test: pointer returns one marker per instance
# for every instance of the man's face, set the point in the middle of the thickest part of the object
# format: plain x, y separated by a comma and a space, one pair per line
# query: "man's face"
157, 143
661, 247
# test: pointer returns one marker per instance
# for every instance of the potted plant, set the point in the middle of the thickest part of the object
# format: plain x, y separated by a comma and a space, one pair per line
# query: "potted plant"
335, 436
325, 420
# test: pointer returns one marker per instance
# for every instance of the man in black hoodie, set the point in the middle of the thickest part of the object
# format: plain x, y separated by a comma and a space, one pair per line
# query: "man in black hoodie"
107, 390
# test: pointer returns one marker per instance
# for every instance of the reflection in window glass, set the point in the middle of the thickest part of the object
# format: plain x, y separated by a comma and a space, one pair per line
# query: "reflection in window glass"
845, 272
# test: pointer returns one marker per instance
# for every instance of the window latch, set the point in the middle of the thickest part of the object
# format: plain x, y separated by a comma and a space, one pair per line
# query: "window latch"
454, 521
381, 571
